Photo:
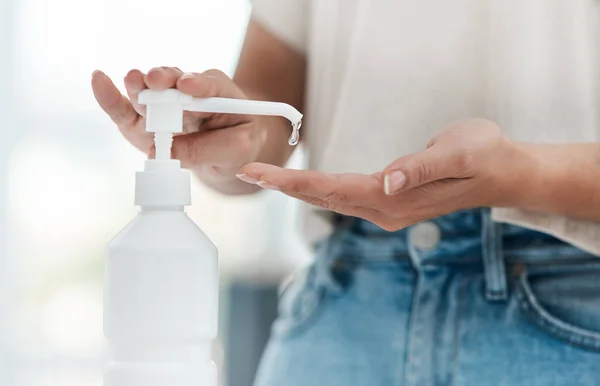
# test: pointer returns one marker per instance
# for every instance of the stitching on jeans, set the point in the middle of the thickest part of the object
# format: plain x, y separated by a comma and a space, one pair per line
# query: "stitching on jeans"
495, 295
564, 333
568, 336
413, 331
458, 330
564, 330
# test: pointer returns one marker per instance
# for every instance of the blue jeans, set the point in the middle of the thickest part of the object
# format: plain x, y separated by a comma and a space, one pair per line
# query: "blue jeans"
458, 300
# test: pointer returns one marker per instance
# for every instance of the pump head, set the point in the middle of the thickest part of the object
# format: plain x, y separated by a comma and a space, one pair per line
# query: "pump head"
164, 113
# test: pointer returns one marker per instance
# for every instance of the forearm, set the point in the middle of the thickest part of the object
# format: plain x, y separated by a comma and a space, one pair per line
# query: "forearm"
268, 70
558, 179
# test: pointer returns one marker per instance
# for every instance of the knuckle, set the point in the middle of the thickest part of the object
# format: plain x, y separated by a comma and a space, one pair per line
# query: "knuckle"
131, 73
215, 73
219, 79
155, 73
430, 187
199, 85
424, 189
464, 162
335, 197
172, 71
422, 172
294, 187
319, 203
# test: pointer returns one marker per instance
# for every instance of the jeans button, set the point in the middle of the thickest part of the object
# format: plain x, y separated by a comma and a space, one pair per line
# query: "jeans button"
425, 236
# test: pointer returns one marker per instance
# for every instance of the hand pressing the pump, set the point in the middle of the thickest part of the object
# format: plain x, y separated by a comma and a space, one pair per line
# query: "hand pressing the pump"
213, 146
468, 164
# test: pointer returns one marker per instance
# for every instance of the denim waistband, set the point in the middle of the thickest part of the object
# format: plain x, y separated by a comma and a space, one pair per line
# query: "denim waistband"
467, 237
461, 237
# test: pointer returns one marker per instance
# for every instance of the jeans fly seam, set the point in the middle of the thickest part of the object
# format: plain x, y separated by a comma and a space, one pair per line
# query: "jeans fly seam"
413, 325
458, 328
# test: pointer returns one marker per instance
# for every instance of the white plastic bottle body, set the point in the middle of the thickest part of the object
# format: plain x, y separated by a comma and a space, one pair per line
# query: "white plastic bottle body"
161, 302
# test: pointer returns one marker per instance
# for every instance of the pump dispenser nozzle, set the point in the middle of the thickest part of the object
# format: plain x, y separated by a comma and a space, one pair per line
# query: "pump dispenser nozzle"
165, 111
163, 142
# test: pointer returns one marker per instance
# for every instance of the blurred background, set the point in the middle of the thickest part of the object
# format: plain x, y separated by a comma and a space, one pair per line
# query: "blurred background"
67, 179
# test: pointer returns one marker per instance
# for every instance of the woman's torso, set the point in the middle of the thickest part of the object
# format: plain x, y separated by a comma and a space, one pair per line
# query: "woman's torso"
384, 75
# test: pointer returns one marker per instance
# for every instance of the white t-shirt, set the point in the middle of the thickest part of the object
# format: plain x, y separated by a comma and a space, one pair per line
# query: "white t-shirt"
385, 75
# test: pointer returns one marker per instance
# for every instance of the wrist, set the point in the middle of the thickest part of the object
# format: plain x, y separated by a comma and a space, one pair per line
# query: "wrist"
540, 173
520, 178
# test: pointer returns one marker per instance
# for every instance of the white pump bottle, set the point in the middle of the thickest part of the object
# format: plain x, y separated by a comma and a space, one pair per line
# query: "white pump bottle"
161, 280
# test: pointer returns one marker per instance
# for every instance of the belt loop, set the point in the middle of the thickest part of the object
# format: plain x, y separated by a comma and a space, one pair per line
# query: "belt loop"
493, 258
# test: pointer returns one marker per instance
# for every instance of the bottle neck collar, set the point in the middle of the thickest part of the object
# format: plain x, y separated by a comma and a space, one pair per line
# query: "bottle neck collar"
161, 208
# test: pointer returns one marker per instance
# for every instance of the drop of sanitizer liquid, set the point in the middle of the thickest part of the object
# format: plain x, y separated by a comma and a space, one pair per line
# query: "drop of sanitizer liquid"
295, 137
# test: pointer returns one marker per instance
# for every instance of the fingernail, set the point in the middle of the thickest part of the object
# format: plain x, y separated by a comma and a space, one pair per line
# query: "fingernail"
246, 178
394, 181
187, 75
266, 185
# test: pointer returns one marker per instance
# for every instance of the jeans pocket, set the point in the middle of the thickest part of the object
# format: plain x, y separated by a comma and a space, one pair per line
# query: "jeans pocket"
564, 301
299, 303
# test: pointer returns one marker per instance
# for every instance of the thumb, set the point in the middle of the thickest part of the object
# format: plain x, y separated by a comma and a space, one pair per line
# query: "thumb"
421, 168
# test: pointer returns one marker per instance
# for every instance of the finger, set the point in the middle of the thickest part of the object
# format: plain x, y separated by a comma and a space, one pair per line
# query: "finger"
134, 84
349, 189
162, 78
370, 214
230, 148
117, 106
211, 83
373, 215
434, 163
